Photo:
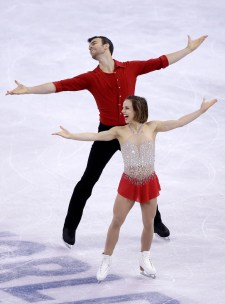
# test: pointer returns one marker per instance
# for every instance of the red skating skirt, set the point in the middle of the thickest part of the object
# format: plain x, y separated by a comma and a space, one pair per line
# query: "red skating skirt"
137, 191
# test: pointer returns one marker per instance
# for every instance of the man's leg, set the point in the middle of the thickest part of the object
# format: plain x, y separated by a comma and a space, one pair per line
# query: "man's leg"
159, 227
100, 154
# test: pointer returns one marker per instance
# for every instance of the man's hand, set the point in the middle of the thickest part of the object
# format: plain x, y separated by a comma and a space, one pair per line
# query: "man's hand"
20, 89
207, 104
194, 44
191, 46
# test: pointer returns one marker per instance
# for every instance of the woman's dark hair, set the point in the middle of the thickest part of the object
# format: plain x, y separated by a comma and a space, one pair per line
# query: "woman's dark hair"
105, 40
140, 107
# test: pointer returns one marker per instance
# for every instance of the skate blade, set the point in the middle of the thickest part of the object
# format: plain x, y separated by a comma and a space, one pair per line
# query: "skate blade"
167, 238
67, 245
153, 276
100, 281
146, 274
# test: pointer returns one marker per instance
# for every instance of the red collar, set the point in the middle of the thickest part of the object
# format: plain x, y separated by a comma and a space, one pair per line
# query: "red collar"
118, 64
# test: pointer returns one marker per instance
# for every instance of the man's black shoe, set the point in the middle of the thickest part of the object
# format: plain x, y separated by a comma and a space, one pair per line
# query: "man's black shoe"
69, 236
161, 229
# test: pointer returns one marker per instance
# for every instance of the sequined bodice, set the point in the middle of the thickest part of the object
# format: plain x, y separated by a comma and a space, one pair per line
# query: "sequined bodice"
138, 156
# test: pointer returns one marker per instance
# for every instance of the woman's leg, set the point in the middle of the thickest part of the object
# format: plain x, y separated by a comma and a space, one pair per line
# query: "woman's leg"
148, 214
121, 208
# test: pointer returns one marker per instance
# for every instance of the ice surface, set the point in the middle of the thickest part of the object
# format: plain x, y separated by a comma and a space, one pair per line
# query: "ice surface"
44, 41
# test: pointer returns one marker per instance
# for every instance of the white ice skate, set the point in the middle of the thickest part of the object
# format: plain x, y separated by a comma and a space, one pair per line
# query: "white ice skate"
104, 268
146, 266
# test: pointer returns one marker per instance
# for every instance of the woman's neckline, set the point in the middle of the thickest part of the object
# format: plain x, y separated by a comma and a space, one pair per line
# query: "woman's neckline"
135, 132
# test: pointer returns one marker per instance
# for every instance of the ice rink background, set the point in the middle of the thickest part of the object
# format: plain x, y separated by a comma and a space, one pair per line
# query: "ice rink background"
43, 41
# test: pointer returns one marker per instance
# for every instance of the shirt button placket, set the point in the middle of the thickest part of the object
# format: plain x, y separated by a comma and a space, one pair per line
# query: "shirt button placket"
120, 96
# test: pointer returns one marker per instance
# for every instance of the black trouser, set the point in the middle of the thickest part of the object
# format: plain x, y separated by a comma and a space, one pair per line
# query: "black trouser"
100, 154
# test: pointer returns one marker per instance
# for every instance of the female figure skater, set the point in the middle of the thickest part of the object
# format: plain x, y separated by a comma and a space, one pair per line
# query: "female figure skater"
139, 182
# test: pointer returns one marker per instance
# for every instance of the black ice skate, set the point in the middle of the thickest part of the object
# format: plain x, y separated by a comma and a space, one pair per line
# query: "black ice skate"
161, 229
68, 237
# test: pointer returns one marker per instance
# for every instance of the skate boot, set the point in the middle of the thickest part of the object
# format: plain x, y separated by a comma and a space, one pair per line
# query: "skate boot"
104, 268
161, 229
69, 237
146, 266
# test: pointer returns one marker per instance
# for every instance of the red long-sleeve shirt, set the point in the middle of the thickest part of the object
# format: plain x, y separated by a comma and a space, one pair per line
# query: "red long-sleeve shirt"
111, 89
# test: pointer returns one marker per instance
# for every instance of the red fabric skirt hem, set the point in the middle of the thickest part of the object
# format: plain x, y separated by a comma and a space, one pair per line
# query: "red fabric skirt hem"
142, 192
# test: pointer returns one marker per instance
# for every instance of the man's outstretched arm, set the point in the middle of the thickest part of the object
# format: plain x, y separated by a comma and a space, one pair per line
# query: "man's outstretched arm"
46, 88
191, 46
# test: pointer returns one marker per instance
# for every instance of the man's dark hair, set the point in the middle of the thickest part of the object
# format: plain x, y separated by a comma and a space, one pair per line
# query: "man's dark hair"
105, 40
140, 107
